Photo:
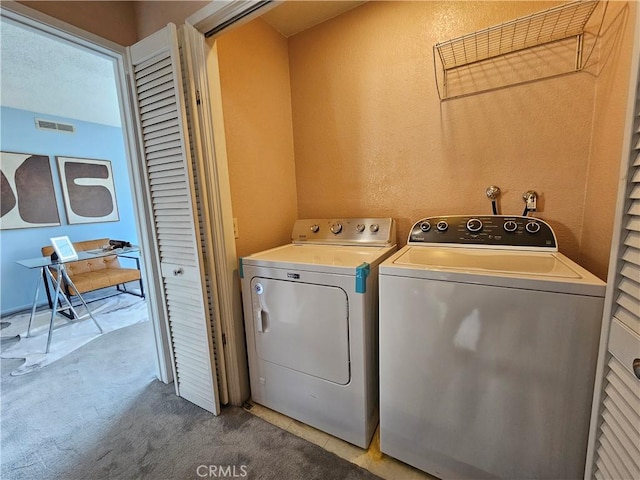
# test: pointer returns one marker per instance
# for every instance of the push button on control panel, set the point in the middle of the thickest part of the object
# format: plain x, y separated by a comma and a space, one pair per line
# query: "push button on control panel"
315, 228
510, 226
336, 228
425, 226
374, 227
360, 228
442, 226
474, 225
532, 227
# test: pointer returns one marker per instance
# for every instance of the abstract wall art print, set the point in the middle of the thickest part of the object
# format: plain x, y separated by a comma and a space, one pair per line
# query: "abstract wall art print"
27, 196
88, 190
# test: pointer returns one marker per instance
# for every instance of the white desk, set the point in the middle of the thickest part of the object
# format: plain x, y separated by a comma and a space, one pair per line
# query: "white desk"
44, 264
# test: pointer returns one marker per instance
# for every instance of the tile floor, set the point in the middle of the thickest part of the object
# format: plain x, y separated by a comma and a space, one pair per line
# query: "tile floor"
372, 459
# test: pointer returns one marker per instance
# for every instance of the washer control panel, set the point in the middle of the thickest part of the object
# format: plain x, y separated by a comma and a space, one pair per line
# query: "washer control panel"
486, 230
345, 231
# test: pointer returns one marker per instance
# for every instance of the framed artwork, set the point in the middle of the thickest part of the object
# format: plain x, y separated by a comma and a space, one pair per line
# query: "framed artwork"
88, 190
27, 196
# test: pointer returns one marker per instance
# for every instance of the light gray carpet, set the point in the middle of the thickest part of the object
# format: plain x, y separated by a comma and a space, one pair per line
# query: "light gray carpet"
111, 313
99, 413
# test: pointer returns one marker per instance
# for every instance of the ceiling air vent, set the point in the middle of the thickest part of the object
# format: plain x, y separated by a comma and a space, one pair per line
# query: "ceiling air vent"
58, 127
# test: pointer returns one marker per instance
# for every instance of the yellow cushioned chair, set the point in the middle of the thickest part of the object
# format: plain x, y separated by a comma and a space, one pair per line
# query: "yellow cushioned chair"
96, 273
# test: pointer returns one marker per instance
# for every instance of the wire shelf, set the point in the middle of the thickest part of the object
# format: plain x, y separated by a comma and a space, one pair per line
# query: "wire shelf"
550, 25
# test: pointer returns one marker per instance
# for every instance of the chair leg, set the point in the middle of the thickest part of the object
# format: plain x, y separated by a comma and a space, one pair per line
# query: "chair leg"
124, 289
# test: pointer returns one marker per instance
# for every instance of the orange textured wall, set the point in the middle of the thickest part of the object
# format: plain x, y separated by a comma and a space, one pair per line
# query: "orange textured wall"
256, 104
615, 50
114, 21
372, 137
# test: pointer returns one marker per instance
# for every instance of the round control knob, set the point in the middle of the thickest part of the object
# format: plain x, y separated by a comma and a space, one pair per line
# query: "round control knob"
360, 228
510, 226
442, 226
425, 226
374, 227
474, 225
336, 228
532, 227
315, 228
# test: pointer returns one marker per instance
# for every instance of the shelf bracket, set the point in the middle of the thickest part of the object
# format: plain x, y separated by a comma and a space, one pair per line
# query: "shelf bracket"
579, 46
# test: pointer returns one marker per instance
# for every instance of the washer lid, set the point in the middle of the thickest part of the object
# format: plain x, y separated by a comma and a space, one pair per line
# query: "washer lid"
319, 256
550, 271
495, 261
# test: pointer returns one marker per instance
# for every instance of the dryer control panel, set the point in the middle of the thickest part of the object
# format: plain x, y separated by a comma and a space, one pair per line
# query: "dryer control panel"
345, 231
484, 230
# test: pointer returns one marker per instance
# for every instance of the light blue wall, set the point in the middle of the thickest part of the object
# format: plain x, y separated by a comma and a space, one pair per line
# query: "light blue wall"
19, 134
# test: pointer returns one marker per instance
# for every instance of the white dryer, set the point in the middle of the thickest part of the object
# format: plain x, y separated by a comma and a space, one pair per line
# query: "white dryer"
488, 347
311, 321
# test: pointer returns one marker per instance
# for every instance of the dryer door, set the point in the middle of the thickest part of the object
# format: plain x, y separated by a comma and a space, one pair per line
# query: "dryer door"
302, 326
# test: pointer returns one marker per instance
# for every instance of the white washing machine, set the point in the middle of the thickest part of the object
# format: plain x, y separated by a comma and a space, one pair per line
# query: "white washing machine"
488, 347
311, 321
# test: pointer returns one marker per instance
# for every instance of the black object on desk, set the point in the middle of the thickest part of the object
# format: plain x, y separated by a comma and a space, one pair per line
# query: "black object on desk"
119, 244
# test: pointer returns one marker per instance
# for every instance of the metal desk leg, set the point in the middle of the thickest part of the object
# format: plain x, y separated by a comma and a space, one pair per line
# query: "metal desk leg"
61, 274
55, 308
70, 283
35, 300
62, 295
46, 287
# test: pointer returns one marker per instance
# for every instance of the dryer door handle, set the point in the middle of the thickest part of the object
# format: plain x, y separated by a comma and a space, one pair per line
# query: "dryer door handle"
261, 318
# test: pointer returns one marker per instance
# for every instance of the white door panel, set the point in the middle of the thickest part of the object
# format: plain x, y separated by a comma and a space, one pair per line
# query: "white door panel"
160, 106
178, 270
614, 441
302, 326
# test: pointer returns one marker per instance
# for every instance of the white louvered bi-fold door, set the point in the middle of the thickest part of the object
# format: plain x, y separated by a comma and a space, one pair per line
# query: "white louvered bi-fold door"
617, 447
157, 84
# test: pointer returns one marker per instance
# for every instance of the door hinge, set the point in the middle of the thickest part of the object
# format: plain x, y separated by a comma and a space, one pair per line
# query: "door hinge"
224, 339
197, 97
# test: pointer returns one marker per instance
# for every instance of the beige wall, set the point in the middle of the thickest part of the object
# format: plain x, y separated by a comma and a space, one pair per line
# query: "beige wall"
608, 130
152, 16
371, 135
122, 22
373, 138
256, 104
114, 21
